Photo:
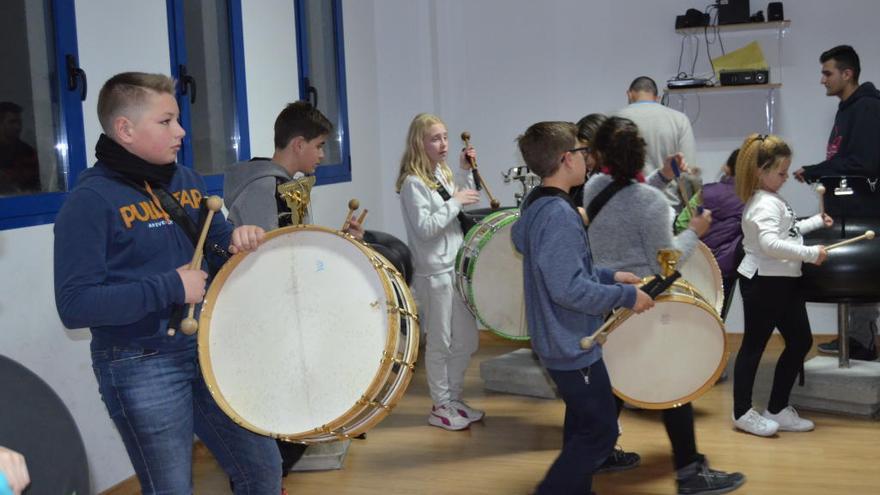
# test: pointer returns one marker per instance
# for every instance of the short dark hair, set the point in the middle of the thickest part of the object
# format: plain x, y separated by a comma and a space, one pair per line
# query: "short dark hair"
620, 148
544, 143
126, 93
9, 107
644, 83
588, 126
297, 119
845, 57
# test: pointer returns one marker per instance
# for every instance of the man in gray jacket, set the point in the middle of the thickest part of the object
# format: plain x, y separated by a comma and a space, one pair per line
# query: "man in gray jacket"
665, 131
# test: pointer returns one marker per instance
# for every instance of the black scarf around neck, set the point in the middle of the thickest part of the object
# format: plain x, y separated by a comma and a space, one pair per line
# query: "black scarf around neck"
132, 166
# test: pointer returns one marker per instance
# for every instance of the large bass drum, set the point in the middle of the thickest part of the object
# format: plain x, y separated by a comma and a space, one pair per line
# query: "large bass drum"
669, 355
311, 338
488, 276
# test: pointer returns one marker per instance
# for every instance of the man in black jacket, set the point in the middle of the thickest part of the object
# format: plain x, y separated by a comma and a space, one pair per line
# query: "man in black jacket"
853, 150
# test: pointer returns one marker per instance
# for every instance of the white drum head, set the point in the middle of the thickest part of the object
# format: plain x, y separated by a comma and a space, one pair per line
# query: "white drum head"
494, 281
701, 271
293, 336
666, 356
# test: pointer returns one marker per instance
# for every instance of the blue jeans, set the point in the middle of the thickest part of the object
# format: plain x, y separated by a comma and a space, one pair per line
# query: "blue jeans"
589, 433
158, 400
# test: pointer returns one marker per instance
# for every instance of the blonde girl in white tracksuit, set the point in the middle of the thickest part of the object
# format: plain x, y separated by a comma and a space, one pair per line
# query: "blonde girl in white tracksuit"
434, 236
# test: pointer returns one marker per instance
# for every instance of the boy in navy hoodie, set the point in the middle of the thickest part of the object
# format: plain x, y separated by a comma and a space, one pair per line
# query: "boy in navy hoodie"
121, 266
566, 298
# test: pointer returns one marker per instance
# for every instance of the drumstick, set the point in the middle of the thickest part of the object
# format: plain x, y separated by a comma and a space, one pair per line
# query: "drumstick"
353, 205
494, 203
682, 190
820, 190
869, 234
189, 325
601, 334
656, 286
362, 217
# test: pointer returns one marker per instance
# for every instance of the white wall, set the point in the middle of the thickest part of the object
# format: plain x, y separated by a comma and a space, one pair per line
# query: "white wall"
491, 67
496, 66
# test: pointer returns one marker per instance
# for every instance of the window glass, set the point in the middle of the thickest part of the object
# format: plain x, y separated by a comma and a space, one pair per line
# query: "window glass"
33, 147
322, 79
213, 131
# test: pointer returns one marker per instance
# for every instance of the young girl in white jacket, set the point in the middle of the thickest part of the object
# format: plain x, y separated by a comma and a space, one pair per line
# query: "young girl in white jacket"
434, 236
774, 251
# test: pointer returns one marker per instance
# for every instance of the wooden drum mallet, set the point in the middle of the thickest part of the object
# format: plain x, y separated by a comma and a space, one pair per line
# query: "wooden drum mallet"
494, 203
868, 235
353, 205
820, 190
190, 325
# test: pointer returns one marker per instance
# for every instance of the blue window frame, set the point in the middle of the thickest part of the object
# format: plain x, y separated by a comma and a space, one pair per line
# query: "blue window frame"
67, 90
202, 31
321, 62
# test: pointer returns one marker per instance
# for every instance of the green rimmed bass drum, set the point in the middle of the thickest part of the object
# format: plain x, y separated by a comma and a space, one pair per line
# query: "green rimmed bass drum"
488, 276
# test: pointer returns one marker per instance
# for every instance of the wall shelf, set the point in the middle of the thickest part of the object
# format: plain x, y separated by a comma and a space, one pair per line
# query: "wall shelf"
725, 89
732, 28
779, 27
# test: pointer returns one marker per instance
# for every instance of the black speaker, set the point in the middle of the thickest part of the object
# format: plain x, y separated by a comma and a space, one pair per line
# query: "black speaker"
692, 18
774, 11
733, 11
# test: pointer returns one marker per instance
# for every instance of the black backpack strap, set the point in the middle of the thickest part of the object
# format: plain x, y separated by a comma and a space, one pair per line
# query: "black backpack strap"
603, 197
180, 218
465, 222
543, 192
172, 208
178, 214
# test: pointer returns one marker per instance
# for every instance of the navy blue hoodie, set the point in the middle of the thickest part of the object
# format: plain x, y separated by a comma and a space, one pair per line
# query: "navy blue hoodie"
854, 143
116, 258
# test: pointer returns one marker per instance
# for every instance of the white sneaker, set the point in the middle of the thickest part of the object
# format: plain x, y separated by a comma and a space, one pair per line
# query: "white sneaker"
448, 418
789, 420
752, 422
468, 412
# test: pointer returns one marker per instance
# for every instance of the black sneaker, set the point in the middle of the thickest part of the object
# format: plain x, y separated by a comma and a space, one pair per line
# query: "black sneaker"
619, 461
707, 481
856, 350
832, 347
862, 353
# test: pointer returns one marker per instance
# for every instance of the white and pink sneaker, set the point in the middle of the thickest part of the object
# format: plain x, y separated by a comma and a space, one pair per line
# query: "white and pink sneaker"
448, 418
468, 412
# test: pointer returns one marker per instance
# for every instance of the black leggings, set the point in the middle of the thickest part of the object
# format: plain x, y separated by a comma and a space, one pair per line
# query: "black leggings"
679, 423
768, 303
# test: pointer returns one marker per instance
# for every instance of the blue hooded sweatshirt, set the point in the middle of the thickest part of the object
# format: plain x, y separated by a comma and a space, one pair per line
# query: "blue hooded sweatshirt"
566, 296
116, 257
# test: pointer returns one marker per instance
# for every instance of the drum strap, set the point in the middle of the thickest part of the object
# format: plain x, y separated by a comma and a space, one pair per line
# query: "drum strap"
173, 209
604, 196
190, 228
544, 192
464, 221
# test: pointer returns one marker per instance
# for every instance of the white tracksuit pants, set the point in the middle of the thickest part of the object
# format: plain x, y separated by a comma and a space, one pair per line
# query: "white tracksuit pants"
451, 332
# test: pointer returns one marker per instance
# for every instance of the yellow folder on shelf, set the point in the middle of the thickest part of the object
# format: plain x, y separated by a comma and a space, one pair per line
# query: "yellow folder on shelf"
747, 57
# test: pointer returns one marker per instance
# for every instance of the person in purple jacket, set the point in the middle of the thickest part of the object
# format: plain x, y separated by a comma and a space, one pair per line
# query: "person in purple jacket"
725, 235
